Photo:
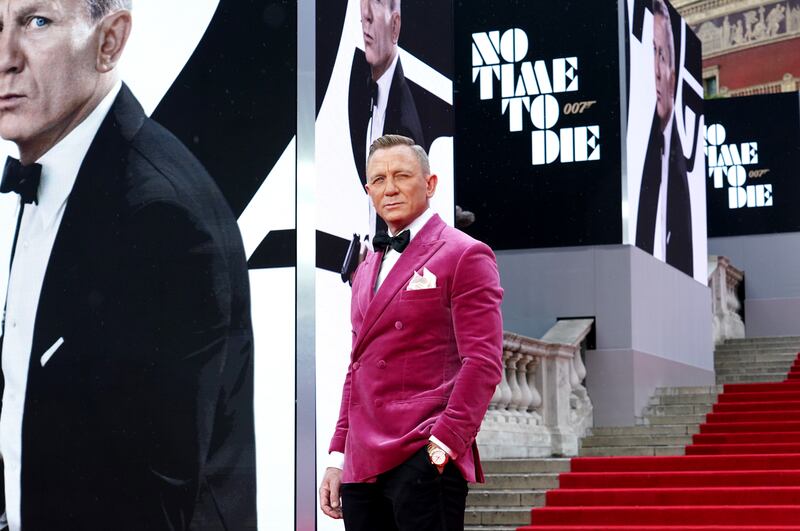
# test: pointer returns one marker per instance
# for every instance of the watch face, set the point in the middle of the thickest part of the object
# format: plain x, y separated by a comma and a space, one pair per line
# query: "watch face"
438, 457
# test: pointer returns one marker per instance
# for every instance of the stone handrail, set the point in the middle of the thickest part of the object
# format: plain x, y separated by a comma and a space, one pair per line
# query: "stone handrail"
540, 408
724, 280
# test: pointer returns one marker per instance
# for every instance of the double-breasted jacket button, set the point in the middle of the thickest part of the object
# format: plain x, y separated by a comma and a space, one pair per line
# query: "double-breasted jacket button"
356, 365
381, 364
398, 325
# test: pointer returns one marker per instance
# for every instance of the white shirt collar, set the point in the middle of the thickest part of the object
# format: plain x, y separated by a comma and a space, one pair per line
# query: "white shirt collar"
415, 226
385, 83
61, 163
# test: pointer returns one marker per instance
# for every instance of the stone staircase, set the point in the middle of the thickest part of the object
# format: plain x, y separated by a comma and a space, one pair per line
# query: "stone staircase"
673, 415
512, 487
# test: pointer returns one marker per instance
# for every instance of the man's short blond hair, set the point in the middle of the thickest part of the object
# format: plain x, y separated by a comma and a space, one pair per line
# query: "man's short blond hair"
390, 141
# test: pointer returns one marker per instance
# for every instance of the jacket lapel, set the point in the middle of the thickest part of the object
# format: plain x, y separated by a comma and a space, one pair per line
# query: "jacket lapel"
418, 252
75, 249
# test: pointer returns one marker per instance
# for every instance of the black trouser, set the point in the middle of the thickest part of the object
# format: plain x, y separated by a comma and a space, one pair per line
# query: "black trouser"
410, 497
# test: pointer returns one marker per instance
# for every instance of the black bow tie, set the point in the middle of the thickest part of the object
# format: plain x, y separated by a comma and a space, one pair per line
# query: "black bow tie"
23, 180
373, 94
382, 240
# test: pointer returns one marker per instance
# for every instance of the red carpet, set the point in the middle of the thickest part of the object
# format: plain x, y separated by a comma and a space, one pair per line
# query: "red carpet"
741, 473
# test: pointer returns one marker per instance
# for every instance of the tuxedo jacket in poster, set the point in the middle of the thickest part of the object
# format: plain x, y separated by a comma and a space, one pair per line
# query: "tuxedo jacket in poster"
143, 418
679, 248
401, 111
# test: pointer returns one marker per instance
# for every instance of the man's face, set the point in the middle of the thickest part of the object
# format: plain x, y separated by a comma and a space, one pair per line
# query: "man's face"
665, 71
397, 186
381, 30
48, 51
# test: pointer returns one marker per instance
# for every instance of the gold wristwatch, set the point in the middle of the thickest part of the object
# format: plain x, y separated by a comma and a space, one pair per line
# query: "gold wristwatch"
437, 456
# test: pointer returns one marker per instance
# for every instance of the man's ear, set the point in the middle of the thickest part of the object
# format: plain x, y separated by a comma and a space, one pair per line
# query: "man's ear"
114, 30
431, 183
395, 27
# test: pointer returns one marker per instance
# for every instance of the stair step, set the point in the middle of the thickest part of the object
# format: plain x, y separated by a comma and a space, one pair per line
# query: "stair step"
731, 407
642, 451
675, 496
677, 409
687, 463
519, 466
514, 516
696, 515
688, 390
667, 429
520, 481
745, 438
678, 479
675, 419
764, 427
739, 449
601, 527
506, 498
637, 440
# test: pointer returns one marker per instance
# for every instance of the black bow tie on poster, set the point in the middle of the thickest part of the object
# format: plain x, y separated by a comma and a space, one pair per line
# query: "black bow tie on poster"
23, 180
382, 240
373, 95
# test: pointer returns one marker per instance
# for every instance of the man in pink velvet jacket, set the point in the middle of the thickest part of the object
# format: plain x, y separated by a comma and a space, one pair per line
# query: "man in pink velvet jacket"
425, 360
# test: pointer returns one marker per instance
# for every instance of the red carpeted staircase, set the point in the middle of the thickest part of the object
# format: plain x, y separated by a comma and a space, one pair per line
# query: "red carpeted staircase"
741, 473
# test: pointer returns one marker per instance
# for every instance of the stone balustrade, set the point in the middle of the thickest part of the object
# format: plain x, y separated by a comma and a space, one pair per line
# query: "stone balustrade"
724, 280
540, 408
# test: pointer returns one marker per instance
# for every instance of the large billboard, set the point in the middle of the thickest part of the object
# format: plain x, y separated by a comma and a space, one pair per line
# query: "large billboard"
538, 122
581, 124
223, 80
753, 150
665, 192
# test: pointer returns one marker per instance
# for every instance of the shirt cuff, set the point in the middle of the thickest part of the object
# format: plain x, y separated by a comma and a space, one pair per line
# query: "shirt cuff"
441, 445
336, 460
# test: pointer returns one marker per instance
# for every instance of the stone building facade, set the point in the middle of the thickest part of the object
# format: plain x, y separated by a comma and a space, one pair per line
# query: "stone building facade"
749, 46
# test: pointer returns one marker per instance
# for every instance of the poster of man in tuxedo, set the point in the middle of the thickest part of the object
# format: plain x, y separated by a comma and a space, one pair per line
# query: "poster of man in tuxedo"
665, 158
219, 81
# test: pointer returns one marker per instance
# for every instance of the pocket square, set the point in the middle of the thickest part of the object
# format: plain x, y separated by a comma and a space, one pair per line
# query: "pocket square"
426, 280
52, 350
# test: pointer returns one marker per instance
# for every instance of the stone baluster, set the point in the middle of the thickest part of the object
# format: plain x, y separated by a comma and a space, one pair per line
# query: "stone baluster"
526, 396
513, 382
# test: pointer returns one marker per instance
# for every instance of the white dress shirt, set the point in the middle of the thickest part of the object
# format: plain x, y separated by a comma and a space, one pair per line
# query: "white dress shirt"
37, 233
662, 237
390, 258
376, 123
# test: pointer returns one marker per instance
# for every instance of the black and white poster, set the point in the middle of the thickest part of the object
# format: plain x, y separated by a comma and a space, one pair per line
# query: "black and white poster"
664, 201
752, 145
538, 122
221, 76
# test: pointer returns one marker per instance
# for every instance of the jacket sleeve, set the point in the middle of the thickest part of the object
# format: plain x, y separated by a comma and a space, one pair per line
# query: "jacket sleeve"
342, 424
174, 321
478, 328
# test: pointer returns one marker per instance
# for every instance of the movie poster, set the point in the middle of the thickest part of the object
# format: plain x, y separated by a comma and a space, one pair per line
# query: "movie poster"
538, 122
382, 67
221, 76
665, 189
752, 145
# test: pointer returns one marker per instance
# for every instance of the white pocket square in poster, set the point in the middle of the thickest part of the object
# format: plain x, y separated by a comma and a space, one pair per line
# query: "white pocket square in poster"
52, 350
426, 280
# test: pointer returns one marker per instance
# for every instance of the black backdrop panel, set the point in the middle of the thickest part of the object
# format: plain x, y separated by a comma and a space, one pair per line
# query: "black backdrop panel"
753, 151
519, 203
